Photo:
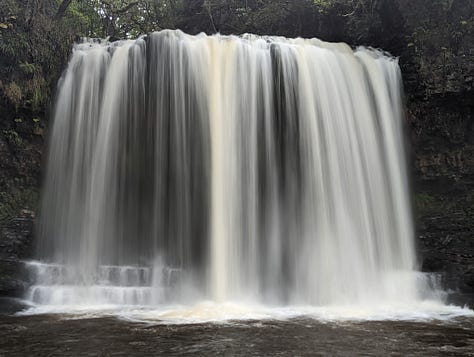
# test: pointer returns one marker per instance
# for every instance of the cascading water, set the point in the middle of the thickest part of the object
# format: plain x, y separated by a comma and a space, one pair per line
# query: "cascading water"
251, 169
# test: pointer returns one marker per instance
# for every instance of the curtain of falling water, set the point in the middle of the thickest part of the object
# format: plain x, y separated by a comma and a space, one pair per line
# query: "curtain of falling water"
262, 169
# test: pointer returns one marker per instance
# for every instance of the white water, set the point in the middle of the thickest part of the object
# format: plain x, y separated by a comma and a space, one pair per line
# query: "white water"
250, 172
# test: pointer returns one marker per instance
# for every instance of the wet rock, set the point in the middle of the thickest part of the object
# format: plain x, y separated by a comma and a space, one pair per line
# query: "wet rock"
11, 305
15, 246
446, 235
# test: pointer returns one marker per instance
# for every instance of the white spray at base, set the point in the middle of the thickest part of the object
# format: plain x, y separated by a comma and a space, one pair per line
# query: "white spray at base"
247, 171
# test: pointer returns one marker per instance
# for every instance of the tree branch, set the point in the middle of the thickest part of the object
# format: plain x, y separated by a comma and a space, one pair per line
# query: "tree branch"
62, 9
207, 5
126, 8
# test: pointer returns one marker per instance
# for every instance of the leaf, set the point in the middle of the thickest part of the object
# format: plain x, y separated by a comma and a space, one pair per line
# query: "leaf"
28, 67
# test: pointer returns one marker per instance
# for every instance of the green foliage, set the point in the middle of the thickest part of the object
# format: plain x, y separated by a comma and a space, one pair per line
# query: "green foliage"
443, 40
13, 93
323, 5
28, 68
32, 52
12, 137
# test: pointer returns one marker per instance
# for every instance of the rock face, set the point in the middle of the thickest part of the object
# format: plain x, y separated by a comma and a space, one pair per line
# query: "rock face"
15, 246
438, 68
442, 137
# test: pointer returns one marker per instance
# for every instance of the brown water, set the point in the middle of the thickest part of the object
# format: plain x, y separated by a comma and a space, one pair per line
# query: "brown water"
58, 335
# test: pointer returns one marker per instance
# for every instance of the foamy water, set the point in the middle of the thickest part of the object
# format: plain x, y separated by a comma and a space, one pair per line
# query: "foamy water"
230, 312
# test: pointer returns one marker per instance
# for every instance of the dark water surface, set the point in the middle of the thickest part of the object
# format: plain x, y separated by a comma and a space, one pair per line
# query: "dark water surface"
56, 335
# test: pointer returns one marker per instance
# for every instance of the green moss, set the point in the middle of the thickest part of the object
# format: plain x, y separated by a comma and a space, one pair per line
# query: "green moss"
423, 199
13, 137
427, 204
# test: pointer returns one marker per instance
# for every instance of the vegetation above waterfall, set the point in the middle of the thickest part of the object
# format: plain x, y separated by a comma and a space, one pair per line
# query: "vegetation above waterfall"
36, 35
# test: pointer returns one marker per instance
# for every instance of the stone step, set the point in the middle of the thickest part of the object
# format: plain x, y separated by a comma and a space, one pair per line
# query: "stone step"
93, 295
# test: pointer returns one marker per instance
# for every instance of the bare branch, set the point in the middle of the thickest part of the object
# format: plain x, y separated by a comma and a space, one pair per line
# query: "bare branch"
207, 5
126, 8
62, 9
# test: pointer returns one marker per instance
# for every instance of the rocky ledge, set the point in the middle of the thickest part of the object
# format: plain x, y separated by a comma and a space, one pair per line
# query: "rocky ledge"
16, 241
446, 237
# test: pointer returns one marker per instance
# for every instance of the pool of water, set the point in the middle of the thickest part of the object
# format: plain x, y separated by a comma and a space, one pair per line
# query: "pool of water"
79, 335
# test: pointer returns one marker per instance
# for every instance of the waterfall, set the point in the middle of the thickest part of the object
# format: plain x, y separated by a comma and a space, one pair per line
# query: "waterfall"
252, 169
